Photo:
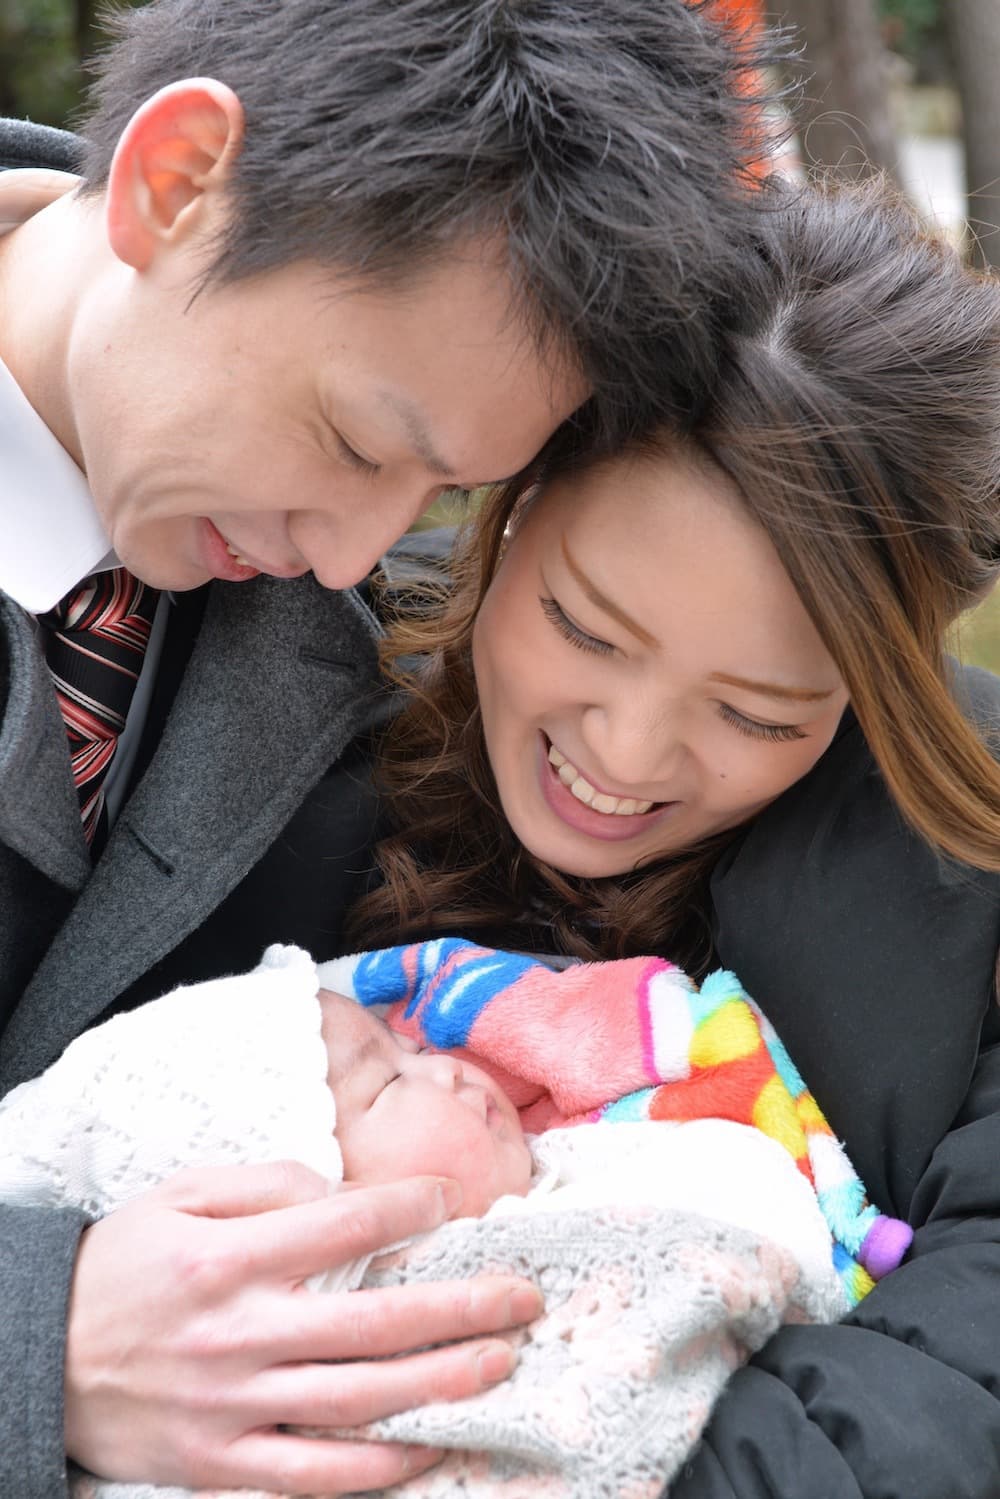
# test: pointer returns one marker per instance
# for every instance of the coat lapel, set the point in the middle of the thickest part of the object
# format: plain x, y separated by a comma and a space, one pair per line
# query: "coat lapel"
281, 679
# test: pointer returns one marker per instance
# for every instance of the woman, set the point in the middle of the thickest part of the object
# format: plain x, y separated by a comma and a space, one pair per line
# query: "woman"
695, 700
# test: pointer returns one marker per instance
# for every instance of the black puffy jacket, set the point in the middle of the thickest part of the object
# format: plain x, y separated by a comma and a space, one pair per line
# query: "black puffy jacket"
875, 960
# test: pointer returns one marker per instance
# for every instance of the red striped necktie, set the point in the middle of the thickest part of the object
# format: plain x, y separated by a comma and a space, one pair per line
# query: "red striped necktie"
95, 641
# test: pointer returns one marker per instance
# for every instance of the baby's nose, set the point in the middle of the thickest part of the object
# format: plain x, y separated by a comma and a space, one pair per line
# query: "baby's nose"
447, 1071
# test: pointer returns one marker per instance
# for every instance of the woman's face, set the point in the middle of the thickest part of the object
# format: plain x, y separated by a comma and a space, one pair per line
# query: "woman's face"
647, 673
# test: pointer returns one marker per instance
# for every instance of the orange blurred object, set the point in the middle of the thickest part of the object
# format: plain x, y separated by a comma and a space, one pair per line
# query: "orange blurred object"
746, 18
745, 12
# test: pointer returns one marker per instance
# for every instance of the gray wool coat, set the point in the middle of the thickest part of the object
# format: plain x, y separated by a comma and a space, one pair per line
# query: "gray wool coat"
279, 682
281, 679
247, 826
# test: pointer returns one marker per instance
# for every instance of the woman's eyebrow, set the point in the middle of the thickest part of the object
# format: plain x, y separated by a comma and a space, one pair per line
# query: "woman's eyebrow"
772, 689
597, 598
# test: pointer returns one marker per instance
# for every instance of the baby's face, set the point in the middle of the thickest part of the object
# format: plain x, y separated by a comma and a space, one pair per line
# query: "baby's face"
404, 1112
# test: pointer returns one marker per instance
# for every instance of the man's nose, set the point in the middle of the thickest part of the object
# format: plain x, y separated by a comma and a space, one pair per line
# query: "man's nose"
342, 549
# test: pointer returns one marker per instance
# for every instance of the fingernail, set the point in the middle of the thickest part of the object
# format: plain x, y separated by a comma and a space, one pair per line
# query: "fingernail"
419, 1459
495, 1363
524, 1304
451, 1197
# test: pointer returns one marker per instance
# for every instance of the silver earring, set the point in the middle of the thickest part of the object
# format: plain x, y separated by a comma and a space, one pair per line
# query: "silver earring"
516, 516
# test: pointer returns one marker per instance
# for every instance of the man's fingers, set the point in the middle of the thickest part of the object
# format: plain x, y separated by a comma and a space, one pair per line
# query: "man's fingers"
26, 190
348, 1395
286, 1464
188, 1306
241, 1191
308, 1239
376, 1324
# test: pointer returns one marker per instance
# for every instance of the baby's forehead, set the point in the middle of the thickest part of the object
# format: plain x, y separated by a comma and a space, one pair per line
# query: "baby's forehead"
355, 1035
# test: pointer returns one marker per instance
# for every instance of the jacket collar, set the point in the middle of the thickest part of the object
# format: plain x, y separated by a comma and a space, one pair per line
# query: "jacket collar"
282, 677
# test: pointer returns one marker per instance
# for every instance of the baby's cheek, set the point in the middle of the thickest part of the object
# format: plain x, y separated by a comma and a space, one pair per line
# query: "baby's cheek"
377, 1152
440, 1146
486, 1168
518, 1170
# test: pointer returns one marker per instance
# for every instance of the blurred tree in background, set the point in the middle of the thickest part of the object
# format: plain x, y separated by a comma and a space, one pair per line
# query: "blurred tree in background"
915, 29
846, 117
974, 31
958, 42
43, 44
855, 52
38, 65
86, 26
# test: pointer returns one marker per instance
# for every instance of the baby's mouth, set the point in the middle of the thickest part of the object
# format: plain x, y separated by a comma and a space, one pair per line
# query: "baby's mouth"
598, 801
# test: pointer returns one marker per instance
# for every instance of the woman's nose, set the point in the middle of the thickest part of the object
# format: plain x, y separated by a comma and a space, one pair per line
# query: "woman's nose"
632, 747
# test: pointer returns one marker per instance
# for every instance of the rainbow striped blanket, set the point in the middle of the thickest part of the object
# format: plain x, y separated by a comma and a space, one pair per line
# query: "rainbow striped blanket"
625, 1041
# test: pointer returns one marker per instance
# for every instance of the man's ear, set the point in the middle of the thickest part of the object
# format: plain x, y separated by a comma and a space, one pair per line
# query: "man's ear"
174, 153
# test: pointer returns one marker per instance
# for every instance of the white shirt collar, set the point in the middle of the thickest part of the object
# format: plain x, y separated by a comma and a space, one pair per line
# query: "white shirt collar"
52, 534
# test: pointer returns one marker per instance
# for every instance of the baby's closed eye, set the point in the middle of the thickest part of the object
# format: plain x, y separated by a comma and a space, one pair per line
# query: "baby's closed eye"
407, 1043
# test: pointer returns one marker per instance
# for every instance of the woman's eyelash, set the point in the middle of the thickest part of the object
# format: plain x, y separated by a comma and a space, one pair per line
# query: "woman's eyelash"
772, 733
363, 465
571, 632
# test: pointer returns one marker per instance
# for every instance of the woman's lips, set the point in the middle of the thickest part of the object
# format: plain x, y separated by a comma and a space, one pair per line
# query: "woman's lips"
612, 827
602, 801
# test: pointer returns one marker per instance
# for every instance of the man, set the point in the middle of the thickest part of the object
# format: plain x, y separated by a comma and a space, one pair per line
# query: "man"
328, 260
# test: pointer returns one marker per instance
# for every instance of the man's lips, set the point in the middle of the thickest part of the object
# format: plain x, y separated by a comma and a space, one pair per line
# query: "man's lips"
241, 567
221, 562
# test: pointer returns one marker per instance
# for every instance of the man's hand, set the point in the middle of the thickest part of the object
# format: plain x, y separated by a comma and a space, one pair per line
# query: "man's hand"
192, 1340
26, 190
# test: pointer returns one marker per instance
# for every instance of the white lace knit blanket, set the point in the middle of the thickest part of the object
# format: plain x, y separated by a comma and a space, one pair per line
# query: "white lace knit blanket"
656, 1246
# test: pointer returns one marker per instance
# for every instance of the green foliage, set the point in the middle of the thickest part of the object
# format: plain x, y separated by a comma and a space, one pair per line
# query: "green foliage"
976, 638
38, 66
908, 23
40, 45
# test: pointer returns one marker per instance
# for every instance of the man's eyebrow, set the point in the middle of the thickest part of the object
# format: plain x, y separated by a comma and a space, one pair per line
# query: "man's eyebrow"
597, 598
772, 689
417, 430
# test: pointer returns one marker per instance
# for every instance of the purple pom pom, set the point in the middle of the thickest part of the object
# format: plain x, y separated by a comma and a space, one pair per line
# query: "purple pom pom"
886, 1242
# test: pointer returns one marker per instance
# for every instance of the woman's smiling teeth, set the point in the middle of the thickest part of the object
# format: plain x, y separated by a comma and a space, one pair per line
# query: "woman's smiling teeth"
613, 806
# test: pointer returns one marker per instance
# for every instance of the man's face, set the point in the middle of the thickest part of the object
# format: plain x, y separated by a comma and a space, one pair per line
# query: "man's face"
296, 421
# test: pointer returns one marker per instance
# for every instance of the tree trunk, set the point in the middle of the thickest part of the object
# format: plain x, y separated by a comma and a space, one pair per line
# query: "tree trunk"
11, 29
845, 115
974, 27
86, 30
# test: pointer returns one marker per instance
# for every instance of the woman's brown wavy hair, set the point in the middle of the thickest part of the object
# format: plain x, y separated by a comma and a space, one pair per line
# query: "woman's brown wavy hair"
858, 413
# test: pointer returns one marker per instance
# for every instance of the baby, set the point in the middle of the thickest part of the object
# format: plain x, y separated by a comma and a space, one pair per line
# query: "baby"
258, 1068
403, 1110
667, 1251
